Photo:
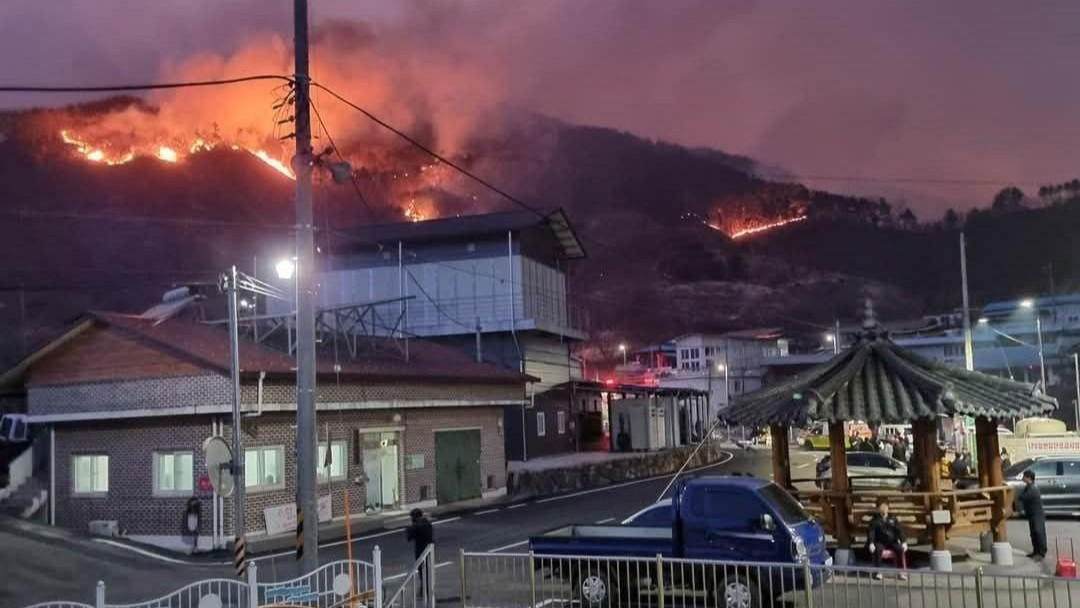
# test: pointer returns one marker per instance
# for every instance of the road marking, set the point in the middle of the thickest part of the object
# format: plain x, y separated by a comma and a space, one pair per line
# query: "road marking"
445, 521
804, 466
604, 521
157, 556
518, 506
333, 544
729, 458
510, 546
486, 512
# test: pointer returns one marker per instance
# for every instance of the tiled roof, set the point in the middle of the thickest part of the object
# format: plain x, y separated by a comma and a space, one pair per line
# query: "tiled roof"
209, 346
879, 382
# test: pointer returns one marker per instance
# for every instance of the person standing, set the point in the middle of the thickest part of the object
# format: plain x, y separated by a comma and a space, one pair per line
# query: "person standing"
1031, 501
1006, 462
422, 534
883, 534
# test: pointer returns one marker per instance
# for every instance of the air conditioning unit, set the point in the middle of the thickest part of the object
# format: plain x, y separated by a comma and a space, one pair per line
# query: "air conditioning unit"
105, 527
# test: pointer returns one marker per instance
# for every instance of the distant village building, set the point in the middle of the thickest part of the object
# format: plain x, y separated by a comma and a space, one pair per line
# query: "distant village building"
725, 365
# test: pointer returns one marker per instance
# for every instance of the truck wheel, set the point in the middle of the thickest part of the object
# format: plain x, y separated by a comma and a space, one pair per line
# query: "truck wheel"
809, 445
594, 588
738, 591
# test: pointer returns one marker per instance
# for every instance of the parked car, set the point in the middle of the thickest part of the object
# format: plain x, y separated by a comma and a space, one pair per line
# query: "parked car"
871, 469
1058, 480
719, 519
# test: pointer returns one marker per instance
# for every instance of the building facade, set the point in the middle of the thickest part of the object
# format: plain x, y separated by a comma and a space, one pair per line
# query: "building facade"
128, 405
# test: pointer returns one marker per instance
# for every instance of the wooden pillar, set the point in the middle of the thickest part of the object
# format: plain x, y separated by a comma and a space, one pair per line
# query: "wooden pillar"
838, 483
995, 476
781, 459
930, 476
981, 440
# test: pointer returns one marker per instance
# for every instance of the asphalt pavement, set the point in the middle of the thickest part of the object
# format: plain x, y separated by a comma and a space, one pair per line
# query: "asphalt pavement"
39, 563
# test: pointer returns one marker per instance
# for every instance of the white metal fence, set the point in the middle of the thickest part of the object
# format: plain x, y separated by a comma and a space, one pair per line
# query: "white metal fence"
417, 590
524, 580
356, 583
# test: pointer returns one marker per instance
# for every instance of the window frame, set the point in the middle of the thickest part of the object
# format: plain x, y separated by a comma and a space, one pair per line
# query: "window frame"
320, 469
541, 424
259, 486
155, 473
74, 476
560, 422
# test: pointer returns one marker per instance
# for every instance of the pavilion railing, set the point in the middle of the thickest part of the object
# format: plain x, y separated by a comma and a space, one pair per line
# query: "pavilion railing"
970, 511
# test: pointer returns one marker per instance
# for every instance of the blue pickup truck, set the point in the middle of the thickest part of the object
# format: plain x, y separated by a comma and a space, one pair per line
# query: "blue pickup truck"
712, 524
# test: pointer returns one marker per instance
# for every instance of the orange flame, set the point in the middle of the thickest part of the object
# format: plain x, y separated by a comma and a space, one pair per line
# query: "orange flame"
103, 154
763, 227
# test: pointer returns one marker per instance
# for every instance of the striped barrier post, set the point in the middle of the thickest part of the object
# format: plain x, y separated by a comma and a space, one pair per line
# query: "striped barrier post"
240, 555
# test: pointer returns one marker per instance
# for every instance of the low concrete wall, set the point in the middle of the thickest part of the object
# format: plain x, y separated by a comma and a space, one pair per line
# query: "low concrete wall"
547, 482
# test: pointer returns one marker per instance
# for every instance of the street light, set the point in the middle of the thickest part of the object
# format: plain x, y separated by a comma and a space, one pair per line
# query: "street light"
622, 349
285, 269
1029, 304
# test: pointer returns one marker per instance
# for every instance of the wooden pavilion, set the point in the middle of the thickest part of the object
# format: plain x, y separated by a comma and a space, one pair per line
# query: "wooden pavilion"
878, 382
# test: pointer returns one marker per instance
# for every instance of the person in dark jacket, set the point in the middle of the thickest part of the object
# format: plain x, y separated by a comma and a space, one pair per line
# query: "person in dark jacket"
884, 533
1031, 501
422, 534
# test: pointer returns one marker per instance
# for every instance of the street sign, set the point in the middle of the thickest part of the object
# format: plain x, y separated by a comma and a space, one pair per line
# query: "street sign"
205, 485
219, 465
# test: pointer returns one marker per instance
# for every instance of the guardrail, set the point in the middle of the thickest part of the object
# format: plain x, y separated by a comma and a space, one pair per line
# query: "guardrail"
357, 584
516, 580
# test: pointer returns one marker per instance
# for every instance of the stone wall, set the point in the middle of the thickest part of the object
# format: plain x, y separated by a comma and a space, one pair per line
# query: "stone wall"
547, 482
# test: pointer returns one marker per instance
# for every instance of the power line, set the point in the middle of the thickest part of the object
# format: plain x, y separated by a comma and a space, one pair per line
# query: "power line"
943, 181
142, 87
352, 176
432, 153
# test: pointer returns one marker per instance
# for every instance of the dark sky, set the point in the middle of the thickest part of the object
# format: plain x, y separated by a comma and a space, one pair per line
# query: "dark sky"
933, 90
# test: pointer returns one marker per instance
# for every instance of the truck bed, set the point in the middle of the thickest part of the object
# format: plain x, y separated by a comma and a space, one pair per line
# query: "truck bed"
612, 540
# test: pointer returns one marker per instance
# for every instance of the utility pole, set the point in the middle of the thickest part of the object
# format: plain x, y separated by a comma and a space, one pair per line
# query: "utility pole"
969, 347
307, 520
1042, 359
239, 488
836, 339
1076, 371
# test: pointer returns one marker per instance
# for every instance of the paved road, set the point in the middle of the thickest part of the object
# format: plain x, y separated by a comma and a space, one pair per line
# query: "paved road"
38, 563
506, 529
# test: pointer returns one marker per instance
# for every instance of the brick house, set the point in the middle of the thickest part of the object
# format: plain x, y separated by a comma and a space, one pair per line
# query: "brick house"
128, 402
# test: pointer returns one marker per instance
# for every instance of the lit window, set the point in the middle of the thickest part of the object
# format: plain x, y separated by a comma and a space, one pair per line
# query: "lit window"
541, 429
90, 474
337, 461
174, 473
560, 421
264, 468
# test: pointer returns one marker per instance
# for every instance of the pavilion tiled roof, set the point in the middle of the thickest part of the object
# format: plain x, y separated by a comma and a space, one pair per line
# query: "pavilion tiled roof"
877, 381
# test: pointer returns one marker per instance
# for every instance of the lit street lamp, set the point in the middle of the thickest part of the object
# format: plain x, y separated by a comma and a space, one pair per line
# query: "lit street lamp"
285, 269
622, 349
831, 339
1030, 305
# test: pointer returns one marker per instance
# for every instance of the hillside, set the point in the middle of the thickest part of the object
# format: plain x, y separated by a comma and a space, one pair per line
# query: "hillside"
79, 233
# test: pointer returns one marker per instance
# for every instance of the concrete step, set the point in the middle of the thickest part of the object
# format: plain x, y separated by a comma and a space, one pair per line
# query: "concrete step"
26, 500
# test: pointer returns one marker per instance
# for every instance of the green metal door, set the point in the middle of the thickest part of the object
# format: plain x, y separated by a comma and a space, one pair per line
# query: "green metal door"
457, 465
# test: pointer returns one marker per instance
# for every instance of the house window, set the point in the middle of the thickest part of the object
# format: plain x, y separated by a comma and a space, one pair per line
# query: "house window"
90, 474
736, 386
560, 421
174, 473
708, 351
264, 468
540, 426
337, 460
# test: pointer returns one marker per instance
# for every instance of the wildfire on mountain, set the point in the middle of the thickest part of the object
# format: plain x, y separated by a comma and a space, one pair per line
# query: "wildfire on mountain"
108, 153
756, 228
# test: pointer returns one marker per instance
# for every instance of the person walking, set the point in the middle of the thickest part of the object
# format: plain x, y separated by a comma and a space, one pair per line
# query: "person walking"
422, 534
1006, 462
884, 534
1032, 504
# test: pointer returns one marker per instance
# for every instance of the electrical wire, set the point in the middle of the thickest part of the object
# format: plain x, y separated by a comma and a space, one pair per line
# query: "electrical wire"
352, 175
142, 87
97, 217
432, 153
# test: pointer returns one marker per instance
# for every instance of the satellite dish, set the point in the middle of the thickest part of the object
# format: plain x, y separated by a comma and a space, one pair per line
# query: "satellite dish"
219, 465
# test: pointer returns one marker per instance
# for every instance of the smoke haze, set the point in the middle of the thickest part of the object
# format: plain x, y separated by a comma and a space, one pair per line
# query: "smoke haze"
936, 91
